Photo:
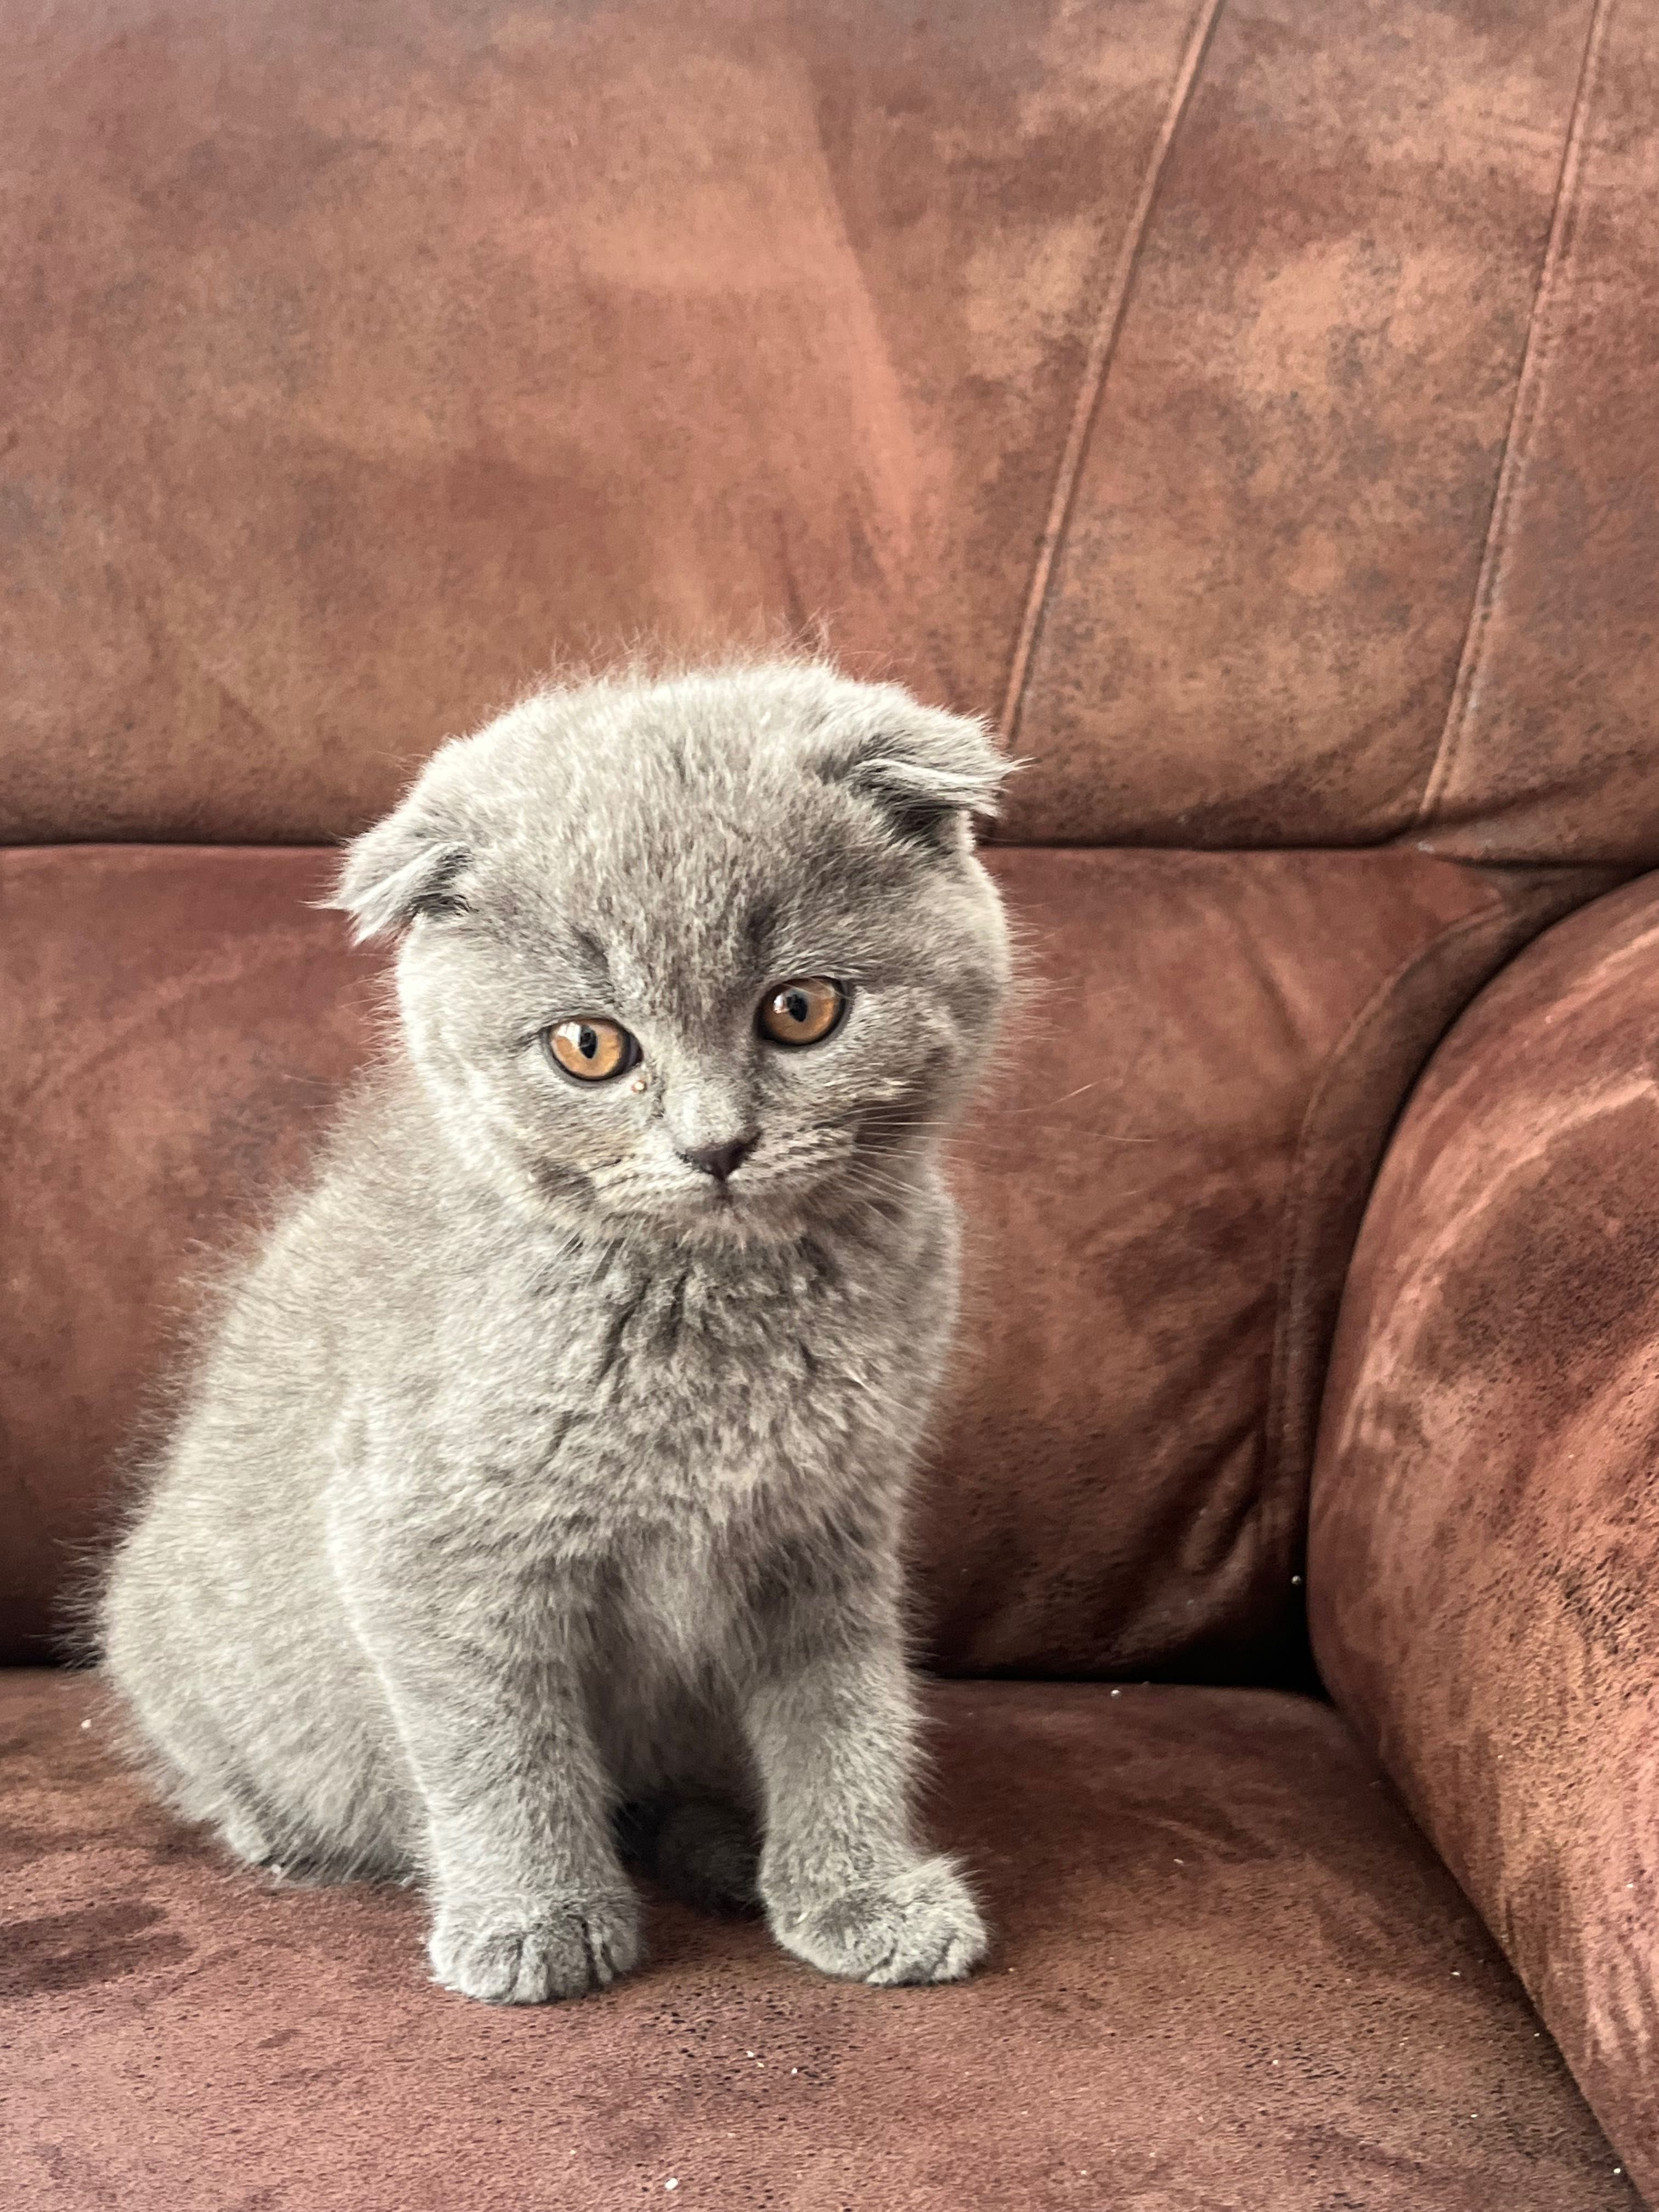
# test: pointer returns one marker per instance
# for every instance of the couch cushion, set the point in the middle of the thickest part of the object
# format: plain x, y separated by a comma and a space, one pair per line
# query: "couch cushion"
1257, 622
1159, 1203
372, 360
1173, 380
1227, 1972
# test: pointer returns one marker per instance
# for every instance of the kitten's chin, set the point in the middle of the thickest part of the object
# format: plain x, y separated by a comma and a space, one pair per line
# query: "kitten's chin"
723, 1216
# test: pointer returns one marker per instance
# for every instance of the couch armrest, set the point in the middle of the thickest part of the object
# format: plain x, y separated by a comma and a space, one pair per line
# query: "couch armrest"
1484, 1560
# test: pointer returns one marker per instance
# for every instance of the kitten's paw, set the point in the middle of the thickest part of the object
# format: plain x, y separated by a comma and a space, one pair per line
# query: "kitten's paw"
563, 1948
709, 1854
921, 1925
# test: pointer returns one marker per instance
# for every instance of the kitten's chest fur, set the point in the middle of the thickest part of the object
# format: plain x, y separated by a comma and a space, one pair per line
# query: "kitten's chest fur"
664, 1413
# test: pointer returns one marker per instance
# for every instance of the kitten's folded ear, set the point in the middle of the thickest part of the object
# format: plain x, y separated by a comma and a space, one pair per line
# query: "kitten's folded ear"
926, 770
404, 866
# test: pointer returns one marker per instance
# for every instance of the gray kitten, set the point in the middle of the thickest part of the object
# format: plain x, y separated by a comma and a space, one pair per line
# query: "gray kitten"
538, 1505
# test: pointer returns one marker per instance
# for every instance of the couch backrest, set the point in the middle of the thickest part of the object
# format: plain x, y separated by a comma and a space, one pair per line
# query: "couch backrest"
1243, 404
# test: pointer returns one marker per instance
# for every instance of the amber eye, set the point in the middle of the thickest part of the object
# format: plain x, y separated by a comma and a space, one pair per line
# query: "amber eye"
804, 1011
592, 1051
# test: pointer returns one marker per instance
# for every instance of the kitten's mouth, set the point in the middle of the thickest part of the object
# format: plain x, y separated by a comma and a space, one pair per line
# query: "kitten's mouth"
765, 1201
734, 1208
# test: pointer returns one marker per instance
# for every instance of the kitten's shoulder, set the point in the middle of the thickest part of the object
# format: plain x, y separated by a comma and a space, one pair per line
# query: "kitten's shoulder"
372, 1180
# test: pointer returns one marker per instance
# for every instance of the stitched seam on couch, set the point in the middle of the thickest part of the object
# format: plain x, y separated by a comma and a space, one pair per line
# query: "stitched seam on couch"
1102, 344
1529, 393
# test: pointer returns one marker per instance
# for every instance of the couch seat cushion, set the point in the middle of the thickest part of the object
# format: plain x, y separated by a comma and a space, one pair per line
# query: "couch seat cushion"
1229, 1975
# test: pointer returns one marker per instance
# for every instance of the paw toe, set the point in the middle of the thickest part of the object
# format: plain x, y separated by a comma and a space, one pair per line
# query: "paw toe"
565, 1950
920, 1926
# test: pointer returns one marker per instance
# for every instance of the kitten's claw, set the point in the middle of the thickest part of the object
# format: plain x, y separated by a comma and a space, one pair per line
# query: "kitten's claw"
921, 1925
562, 1949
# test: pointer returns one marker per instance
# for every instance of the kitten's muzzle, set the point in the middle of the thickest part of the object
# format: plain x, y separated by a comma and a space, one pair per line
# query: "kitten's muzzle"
719, 1160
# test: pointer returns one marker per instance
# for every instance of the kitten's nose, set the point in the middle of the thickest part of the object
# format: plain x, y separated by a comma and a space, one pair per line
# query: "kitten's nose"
719, 1160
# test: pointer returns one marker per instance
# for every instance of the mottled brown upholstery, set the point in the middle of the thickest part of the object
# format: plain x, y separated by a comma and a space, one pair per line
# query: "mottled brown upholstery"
1485, 1553
1169, 378
1245, 404
1228, 1972
1347, 280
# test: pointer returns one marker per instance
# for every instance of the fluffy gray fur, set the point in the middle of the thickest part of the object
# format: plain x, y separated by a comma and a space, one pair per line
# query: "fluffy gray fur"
537, 1505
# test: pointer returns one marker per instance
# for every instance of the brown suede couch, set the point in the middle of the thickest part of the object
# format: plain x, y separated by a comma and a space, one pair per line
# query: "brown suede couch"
1250, 405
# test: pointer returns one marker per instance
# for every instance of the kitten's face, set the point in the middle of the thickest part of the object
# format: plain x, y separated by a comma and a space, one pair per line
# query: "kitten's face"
711, 958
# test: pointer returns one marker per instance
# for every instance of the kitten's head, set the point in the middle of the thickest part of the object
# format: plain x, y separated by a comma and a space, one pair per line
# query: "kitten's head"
710, 955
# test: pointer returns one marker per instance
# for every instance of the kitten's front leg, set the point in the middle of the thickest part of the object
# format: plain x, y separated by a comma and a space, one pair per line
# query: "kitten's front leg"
832, 1724
530, 1899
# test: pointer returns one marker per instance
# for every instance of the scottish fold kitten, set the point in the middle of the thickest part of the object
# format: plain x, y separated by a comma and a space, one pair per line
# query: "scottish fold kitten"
537, 1506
